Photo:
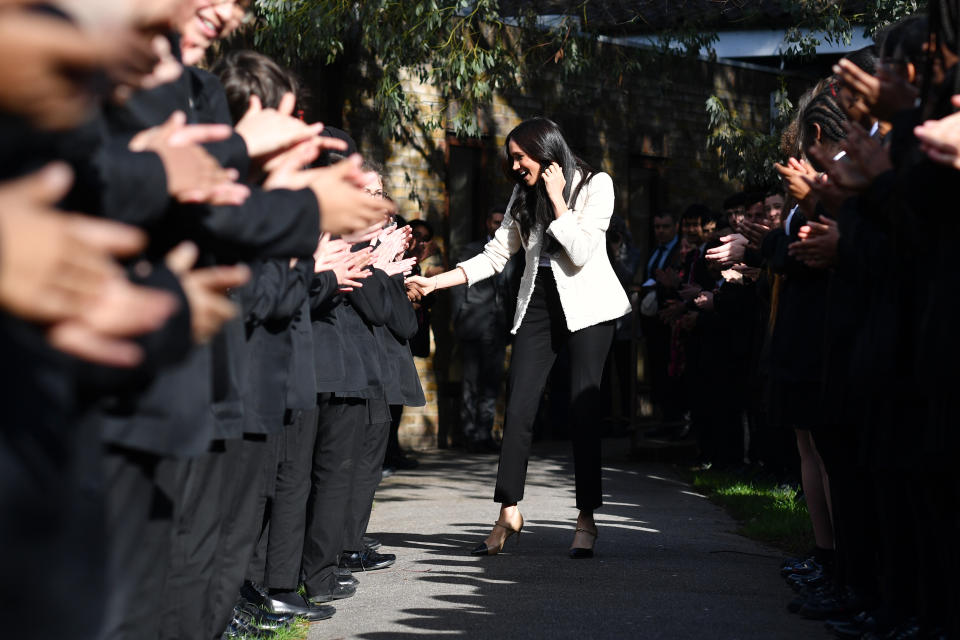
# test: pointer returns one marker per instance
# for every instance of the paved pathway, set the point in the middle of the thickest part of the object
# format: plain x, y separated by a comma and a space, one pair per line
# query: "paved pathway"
668, 564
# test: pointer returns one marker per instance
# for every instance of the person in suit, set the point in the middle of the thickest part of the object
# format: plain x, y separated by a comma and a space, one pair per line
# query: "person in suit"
569, 298
480, 319
659, 271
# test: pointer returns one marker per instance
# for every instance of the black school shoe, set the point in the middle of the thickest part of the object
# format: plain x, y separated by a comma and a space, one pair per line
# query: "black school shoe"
336, 591
366, 560
345, 576
287, 604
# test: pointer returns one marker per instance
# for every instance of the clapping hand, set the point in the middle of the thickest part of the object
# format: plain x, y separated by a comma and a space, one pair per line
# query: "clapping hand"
193, 175
940, 139
58, 270
754, 232
206, 290
793, 174
268, 132
730, 252
403, 266
885, 94
391, 244
827, 192
704, 300
344, 206
349, 266
817, 247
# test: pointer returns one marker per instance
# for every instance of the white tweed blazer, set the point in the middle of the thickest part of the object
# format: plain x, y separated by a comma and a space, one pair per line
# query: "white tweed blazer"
590, 292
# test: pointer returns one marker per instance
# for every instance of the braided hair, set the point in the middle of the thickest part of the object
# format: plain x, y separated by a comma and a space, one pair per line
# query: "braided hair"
542, 140
822, 119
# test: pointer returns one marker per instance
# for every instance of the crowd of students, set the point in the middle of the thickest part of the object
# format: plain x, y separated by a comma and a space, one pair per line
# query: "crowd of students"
199, 370
829, 317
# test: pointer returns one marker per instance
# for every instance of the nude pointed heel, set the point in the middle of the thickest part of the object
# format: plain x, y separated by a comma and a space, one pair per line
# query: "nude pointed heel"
483, 550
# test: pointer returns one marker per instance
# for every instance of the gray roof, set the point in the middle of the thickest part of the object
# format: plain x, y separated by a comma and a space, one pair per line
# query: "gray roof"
644, 16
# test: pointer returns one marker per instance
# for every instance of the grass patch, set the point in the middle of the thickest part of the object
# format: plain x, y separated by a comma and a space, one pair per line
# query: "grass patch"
296, 631
765, 512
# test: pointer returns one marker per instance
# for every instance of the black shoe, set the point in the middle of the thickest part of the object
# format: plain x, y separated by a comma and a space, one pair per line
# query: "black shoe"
371, 544
262, 619
345, 576
584, 553
243, 625
366, 560
294, 604
238, 630
339, 592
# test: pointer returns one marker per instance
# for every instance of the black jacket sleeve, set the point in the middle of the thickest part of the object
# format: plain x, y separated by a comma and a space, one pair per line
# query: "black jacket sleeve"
403, 319
371, 300
270, 224
275, 291
322, 289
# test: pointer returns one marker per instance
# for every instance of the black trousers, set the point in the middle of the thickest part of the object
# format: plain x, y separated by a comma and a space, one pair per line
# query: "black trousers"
276, 560
373, 445
139, 489
197, 512
541, 336
482, 372
242, 492
340, 425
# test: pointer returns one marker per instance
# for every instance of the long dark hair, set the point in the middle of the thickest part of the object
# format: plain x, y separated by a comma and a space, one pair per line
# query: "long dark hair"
944, 20
542, 140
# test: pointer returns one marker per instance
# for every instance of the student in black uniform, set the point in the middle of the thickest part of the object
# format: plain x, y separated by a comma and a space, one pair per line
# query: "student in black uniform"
280, 379
400, 385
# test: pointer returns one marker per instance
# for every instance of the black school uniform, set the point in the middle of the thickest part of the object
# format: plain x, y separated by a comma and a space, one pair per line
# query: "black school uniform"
196, 408
276, 561
401, 387
270, 301
348, 381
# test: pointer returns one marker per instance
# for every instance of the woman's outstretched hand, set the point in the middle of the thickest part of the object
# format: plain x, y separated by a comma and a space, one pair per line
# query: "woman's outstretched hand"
424, 286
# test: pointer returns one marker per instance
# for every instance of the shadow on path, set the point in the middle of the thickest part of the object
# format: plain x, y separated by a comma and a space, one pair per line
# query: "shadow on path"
667, 562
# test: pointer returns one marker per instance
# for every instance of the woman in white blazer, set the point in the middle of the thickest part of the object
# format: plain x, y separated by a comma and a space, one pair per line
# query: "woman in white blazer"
569, 297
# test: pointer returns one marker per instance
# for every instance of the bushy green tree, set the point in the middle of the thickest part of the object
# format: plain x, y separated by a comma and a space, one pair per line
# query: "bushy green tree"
470, 49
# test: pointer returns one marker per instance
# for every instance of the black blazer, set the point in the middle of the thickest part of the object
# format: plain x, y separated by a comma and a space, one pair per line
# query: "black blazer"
401, 382
270, 301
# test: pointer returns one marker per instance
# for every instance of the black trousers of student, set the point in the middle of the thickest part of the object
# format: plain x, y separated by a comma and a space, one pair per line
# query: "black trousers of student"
340, 426
541, 336
276, 560
139, 490
482, 373
393, 449
853, 510
242, 492
197, 512
372, 446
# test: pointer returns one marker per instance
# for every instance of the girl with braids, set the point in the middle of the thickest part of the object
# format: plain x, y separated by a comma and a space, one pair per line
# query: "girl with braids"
796, 347
569, 297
